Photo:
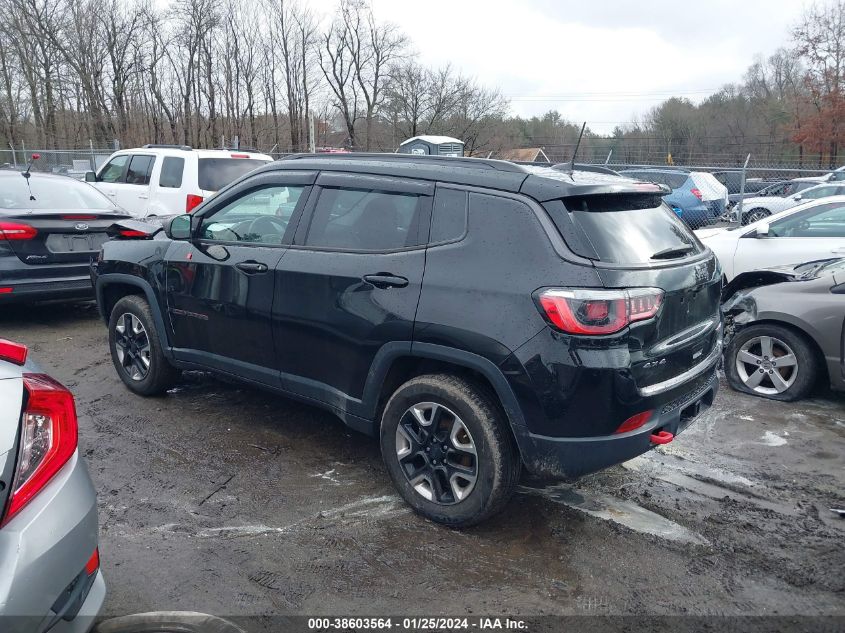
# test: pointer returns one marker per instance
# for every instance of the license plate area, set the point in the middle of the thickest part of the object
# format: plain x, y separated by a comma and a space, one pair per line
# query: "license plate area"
71, 243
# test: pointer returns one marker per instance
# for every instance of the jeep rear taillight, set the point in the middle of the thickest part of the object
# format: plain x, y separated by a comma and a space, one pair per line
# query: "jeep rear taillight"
696, 192
48, 439
592, 312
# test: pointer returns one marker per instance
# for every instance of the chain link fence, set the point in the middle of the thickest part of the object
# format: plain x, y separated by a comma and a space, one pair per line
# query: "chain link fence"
702, 194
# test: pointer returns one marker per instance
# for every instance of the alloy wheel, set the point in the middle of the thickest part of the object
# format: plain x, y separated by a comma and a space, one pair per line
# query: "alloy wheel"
754, 216
437, 453
132, 344
767, 365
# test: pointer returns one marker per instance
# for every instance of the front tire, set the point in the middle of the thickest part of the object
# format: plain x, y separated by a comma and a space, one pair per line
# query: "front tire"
136, 349
448, 449
771, 361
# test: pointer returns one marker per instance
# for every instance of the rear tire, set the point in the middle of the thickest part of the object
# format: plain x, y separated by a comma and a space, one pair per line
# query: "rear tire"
754, 215
136, 348
453, 460
749, 367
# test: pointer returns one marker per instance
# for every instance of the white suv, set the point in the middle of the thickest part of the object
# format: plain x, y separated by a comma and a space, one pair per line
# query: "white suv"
168, 179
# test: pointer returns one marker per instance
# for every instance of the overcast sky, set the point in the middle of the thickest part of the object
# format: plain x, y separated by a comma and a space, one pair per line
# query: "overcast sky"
603, 61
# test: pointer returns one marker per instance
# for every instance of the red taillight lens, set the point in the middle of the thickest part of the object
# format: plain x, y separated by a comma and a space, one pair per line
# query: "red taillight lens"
93, 563
79, 217
16, 231
192, 202
4, 290
634, 422
48, 439
239, 155
581, 311
696, 192
13, 352
131, 233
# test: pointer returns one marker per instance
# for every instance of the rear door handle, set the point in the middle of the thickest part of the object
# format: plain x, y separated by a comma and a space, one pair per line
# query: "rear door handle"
386, 280
251, 268
838, 251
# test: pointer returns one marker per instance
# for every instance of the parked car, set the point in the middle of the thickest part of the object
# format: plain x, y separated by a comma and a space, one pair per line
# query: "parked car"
156, 180
50, 227
475, 315
780, 189
785, 329
809, 231
732, 179
696, 197
759, 207
50, 575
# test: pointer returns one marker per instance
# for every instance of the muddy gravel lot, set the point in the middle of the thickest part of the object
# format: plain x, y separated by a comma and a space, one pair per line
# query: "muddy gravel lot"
233, 501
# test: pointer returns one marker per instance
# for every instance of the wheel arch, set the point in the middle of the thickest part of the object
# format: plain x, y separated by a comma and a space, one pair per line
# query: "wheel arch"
112, 287
401, 362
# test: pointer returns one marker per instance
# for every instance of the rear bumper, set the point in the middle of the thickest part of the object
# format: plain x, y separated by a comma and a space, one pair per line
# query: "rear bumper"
44, 549
566, 458
32, 282
49, 289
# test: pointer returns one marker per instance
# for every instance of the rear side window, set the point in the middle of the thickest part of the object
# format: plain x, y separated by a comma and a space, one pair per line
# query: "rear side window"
362, 219
622, 228
448, 216
216, 173
171, 172
140, 168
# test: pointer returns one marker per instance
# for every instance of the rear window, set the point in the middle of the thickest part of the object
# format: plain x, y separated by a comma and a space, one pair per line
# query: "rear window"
216, 173
623, 228
50, 193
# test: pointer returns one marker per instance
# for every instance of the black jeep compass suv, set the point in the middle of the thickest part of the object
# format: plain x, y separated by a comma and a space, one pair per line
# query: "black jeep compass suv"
477, 316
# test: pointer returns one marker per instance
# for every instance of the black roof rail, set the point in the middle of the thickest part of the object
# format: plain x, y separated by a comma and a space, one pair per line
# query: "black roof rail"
452, 161
185, 148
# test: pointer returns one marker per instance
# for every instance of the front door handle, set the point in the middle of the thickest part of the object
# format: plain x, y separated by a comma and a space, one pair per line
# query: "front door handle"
251, 268
838, 251
386, 280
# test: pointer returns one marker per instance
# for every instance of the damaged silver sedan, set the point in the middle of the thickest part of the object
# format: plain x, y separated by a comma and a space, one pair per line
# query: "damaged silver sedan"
785, 329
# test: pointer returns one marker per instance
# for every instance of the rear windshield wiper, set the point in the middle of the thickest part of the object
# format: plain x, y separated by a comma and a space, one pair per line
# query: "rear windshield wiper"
673, 252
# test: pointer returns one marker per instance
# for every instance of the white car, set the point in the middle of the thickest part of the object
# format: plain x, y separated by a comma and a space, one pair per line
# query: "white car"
156, 180
759, 207
807, 232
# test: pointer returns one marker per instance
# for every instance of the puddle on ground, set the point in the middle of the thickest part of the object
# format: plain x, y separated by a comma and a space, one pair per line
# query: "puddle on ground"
619, 511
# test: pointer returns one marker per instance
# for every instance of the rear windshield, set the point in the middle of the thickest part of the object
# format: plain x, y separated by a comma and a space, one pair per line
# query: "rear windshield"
623, 228
49, 193
216, 173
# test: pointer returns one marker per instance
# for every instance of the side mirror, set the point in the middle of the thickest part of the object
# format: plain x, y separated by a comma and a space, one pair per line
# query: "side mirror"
762, 230
180, 227
90, 176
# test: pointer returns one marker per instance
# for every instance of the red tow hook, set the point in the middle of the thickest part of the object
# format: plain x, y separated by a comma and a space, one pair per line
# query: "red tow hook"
662, 437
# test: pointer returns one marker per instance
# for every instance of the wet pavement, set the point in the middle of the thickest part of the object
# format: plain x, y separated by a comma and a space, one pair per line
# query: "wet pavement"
229, 500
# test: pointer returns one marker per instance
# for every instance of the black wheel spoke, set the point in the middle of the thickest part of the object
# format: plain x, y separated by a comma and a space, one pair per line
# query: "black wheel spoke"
133, 346
436, 453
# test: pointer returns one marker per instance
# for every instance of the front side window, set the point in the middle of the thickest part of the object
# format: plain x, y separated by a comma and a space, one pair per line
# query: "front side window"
260, 216
364, 219
140, 168
827, 220
113, 171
